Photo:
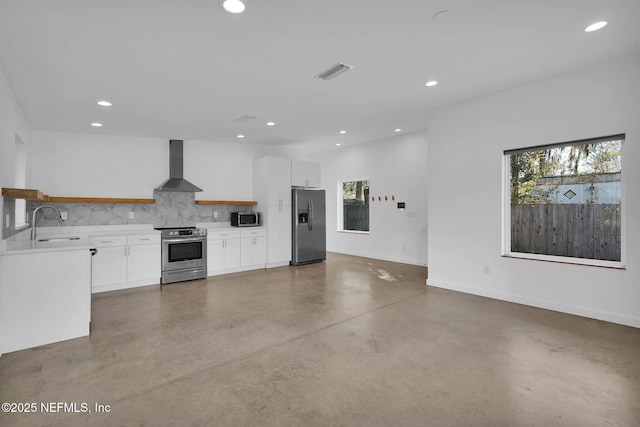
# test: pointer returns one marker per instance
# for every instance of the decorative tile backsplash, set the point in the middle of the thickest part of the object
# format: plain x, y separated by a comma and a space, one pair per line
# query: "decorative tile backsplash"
172, 209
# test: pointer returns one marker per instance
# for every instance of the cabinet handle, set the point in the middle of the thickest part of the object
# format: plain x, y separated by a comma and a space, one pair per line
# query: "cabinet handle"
107, 241
143, 240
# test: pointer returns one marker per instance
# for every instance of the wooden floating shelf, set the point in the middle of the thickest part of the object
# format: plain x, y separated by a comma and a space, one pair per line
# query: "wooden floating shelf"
225, 202
38, 196
99, 200
23, 193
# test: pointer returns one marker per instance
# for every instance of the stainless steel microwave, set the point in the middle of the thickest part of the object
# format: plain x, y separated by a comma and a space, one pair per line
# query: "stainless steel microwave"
246, 219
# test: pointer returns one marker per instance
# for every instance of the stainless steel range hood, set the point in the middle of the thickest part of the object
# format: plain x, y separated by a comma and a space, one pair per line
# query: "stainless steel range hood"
176, 182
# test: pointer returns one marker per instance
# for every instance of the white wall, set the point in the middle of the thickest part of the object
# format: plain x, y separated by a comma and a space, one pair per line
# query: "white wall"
89, 165
396, 167
12, 123
465, 177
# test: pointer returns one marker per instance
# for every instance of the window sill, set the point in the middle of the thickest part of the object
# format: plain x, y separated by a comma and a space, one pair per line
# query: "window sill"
567, 260
353, 232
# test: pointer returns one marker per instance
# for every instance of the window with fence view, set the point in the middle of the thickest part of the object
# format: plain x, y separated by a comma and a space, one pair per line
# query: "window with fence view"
565, 199
355, 205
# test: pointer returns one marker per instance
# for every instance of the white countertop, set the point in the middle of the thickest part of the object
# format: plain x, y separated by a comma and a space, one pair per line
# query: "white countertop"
223, 226
20, 243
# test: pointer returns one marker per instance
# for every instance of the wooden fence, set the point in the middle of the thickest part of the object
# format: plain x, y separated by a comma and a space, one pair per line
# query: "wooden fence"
589, 231
356, 217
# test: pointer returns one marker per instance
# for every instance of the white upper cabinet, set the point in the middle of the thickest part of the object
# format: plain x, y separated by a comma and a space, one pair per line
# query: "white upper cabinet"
305, 174
272, 181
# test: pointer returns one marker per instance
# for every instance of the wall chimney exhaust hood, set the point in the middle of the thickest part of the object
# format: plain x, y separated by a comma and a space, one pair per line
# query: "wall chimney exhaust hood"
176, 181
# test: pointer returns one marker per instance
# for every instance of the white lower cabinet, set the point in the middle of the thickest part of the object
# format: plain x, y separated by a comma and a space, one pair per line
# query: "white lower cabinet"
223, 251
253, 245
237, 249
144, 262
125, 262
108, 267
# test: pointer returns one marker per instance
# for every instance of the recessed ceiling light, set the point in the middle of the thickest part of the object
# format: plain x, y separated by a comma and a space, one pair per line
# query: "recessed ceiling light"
596, 26
104, 103
233, 6
96, 124
343, 131
397, 130
240, 136
338, 144
271, 123
431, 83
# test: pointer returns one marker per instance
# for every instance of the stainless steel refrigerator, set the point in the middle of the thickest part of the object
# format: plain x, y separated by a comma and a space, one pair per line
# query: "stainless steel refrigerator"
309, 230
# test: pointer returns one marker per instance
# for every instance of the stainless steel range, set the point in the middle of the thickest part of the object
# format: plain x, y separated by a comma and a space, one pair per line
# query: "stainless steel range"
184, 254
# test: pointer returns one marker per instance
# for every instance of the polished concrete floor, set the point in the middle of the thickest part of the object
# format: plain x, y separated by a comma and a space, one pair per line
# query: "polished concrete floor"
349, 342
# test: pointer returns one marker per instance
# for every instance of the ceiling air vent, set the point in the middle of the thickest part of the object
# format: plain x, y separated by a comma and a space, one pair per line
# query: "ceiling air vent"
334, 71
245, 118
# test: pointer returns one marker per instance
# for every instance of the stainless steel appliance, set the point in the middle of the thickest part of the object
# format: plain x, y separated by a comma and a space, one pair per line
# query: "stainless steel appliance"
184, 254
176, 181
246, 219
309, 231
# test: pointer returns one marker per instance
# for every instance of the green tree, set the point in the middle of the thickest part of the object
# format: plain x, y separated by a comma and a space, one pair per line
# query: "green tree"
526, 169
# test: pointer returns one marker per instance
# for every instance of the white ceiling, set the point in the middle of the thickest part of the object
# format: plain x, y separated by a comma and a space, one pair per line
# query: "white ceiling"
187, 69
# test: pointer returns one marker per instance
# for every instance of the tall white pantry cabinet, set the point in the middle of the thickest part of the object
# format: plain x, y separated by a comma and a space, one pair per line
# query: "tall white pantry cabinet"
272, 191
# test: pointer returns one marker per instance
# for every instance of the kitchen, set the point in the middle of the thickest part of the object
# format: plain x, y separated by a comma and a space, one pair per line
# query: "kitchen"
435, 165
172, 243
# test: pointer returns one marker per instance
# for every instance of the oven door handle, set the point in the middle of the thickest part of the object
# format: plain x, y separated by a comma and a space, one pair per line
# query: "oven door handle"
185, 240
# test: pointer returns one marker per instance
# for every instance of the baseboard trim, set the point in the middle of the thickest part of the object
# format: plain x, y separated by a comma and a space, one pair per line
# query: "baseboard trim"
372, 256
533, 302
126, 285
212, 273
278, 264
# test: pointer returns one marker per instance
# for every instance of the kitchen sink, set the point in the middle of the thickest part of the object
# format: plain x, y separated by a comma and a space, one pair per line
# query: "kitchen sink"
59, 239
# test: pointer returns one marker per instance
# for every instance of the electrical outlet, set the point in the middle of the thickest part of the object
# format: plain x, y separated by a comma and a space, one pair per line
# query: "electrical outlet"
486, 270
7, 221
132, 215
215, 214
63, 215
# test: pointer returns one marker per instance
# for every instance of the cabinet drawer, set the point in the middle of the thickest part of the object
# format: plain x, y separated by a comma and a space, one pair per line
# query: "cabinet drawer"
143, 239
219, 235
102, 241
253, 233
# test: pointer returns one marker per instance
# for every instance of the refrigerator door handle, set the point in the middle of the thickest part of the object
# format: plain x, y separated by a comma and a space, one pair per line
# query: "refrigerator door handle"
310, 215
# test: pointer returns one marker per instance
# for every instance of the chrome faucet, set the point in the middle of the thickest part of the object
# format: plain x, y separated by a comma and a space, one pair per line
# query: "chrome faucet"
33, 219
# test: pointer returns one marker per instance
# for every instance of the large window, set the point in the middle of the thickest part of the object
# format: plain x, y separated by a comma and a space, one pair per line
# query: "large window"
353, 206
564, 202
